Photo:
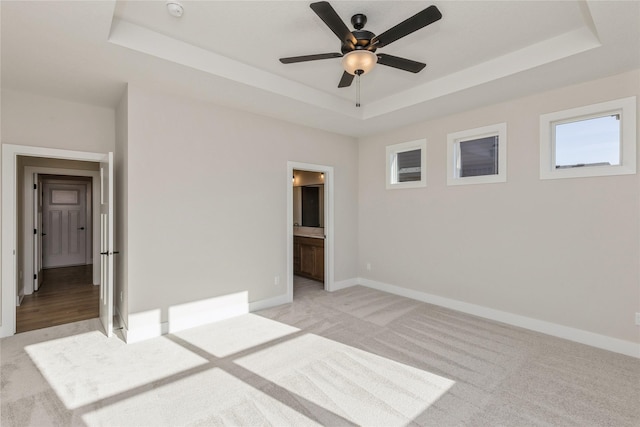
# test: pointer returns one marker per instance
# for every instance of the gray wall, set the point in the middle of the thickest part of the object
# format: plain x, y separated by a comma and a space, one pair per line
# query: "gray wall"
121, 243
40, 121
207, 204
562, 251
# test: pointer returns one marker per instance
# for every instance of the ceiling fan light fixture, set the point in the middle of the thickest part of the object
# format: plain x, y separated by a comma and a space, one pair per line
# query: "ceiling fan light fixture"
359, 61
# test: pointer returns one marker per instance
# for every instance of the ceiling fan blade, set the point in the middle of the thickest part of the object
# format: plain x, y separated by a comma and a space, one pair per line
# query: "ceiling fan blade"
408, 26
346, 80
400, 63
330, 17
304, 58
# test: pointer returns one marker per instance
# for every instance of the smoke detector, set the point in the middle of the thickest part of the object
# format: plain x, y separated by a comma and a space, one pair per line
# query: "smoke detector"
175, 9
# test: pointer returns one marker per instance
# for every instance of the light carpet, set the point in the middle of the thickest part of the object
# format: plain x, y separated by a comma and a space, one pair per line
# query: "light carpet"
353, 357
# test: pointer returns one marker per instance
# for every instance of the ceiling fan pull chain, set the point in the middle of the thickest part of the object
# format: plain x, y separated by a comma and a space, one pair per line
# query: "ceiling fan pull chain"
357, 90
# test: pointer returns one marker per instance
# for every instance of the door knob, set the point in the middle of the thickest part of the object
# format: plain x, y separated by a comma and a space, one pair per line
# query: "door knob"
81, 228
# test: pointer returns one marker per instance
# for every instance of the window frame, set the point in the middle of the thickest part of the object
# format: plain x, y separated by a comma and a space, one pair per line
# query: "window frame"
392, 154
453, 153
625, 107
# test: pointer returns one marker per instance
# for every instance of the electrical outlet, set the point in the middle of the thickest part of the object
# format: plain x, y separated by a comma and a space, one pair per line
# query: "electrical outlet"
276, 280
369, 266
20, 274
638, 319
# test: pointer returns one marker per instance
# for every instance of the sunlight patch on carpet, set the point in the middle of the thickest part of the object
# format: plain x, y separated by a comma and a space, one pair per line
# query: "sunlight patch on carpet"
211, 397
88, 367
361, 387
231, 336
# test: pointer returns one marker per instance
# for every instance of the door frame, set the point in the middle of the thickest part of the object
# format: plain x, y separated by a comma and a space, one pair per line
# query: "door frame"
328, 223
8, 256
29, 225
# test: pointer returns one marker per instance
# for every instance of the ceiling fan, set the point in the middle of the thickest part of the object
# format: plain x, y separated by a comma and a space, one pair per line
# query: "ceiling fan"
359, 46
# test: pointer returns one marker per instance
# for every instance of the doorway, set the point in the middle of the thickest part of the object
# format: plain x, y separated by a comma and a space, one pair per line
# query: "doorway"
57, 244
308, 232
310, 229
17, 241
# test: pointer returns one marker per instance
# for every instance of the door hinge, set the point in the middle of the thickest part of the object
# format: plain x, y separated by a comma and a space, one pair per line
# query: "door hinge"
35, 231
35, 186
35, 276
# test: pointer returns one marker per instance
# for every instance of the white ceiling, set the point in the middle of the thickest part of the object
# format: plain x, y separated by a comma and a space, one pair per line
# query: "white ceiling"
226, 52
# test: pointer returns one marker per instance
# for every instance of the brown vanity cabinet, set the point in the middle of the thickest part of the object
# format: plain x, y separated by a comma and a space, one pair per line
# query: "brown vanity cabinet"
308, 257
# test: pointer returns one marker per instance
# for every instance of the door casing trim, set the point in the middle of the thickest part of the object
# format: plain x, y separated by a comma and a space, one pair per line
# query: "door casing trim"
8, 256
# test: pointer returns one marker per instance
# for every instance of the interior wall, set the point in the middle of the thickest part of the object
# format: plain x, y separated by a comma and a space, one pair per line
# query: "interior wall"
121, 172
45, 162
214, 217
563, 251
40, 121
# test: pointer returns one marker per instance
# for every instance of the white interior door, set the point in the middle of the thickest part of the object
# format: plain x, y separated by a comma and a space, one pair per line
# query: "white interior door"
37, 232
106, 245
64, 215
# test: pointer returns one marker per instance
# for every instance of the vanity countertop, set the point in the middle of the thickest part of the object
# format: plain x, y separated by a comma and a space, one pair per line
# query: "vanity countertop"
313, 236
313, 232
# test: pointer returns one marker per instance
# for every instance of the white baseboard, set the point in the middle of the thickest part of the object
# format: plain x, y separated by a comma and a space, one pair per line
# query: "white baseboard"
268, 303
343, 284
146, 325
141, 334
578, 335
121, 323
211, 310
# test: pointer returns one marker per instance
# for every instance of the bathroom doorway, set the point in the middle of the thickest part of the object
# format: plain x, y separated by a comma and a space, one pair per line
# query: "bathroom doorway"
310, 228
308, 231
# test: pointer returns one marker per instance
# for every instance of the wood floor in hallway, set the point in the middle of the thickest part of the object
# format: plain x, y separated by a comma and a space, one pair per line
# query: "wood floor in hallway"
66, 295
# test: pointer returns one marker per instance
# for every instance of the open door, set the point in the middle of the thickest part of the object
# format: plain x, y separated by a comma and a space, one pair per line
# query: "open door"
106, 245
37, 232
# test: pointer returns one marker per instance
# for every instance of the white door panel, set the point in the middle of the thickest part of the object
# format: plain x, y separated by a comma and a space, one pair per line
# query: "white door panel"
64, 227
106, 245
37, 232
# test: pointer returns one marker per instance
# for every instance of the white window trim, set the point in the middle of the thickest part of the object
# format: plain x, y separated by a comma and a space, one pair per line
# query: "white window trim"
626, 107
393, 150
453, 140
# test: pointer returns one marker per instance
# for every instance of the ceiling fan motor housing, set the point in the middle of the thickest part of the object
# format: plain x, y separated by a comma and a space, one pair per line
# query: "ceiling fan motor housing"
363, 39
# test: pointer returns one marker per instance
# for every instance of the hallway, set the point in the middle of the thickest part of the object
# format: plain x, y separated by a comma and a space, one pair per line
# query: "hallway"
66, 295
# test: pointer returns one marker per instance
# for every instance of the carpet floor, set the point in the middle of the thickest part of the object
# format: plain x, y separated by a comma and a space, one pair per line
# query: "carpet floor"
353, 357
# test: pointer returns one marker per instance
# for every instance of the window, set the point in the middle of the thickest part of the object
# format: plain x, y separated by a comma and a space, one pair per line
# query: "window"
477, 156
406, 164
595, 140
